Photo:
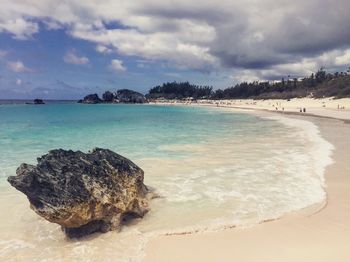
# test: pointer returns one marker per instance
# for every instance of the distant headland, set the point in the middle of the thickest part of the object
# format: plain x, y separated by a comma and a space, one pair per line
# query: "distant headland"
317, 85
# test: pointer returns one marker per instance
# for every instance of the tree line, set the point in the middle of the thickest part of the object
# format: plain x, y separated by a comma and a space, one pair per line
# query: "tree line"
175, 90
319, 84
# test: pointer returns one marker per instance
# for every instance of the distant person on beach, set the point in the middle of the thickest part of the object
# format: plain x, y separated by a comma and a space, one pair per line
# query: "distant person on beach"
304, 110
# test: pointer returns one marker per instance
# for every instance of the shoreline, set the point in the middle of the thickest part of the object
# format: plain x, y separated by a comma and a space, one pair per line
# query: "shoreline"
322, 107
185, 247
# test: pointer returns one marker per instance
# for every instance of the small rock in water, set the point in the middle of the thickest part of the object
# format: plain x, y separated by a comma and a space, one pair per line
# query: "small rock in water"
84, 193
38, 101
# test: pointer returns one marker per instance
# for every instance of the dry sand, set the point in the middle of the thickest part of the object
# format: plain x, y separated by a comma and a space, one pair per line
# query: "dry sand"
325, 107
322, 236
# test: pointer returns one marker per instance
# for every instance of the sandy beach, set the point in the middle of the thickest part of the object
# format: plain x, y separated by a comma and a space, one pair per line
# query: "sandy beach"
324, 107
322, 236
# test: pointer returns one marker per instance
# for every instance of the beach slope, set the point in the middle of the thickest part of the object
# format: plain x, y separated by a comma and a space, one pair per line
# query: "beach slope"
322, 236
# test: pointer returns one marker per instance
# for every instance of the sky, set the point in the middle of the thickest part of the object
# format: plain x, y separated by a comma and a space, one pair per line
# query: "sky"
65, 49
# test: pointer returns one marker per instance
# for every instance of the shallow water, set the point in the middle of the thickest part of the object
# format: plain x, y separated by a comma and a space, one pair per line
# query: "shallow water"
213, 168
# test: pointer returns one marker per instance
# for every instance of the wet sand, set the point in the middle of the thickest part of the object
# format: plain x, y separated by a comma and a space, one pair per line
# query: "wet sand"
322, 236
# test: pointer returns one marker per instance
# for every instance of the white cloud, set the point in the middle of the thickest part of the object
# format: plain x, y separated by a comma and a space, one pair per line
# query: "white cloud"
206, 36
72, 58
21, 29
103, 49
116, 65
156, 46
53, 25
334, 60
19, 82
343, 59
18, 66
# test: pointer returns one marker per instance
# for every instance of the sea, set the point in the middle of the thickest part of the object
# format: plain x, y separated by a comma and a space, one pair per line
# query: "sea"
212, 168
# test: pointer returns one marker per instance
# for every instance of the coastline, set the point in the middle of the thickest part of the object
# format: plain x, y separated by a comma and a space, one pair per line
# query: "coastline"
321, 107
298, 236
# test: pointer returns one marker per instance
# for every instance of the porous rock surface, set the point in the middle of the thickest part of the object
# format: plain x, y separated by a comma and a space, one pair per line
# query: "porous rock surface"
84, 193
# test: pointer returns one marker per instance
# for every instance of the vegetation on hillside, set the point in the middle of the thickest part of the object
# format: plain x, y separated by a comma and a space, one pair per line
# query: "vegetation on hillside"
319, 84
175, 90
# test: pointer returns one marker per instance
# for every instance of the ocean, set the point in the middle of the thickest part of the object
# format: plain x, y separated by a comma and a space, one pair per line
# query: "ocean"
213, 168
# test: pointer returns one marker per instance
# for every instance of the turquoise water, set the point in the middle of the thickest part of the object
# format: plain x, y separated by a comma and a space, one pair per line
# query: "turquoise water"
28, 131
213, 168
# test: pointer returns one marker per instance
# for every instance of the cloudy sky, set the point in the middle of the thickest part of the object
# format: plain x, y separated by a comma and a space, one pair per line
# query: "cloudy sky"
64, 49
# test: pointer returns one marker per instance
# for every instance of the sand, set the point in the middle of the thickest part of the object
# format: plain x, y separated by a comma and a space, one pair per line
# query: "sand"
325, 107
322, 236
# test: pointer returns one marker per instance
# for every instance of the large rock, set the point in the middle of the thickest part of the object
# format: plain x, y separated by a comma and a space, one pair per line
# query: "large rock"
108, 96
130, 96
121, 96
91, 99
84, 193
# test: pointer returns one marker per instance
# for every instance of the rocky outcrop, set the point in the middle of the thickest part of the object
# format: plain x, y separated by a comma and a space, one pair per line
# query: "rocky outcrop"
84, 193
130, 96
91, 99
108, 96
38, 102
121, 96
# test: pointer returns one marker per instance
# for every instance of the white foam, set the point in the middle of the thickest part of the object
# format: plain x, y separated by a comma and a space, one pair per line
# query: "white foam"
253, 189
321, 151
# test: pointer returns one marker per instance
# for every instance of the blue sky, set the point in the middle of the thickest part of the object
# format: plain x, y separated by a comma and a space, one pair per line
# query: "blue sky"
66, 49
